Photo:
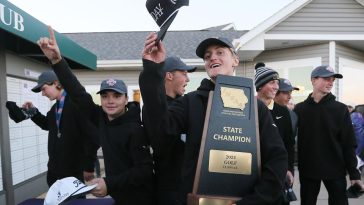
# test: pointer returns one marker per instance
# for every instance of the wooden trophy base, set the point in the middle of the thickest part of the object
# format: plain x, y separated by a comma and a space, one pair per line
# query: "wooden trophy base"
193, 199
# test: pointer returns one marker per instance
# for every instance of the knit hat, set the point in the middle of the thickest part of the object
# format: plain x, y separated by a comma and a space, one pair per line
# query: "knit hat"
263, 75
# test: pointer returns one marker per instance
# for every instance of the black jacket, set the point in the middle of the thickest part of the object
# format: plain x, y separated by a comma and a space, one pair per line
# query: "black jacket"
282, 119
326, 140
128, 162
168, 152
187, 115
75, 150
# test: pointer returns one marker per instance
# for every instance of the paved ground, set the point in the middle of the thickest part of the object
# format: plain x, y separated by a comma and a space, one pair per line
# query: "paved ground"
323, 196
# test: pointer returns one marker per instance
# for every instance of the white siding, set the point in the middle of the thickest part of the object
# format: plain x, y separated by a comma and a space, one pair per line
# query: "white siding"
242, 70
246, 69
321, 50
287, 54
324, 16
312, 51
349, 53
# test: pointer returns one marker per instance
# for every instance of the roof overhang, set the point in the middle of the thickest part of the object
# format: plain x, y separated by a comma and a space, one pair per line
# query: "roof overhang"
20, 33
279, 41
276, 41
251, 44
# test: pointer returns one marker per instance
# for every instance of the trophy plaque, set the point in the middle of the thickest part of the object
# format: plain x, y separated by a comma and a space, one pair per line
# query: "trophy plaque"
229, 161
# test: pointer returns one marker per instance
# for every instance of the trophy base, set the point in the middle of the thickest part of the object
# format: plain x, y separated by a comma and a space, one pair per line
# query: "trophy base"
194, 199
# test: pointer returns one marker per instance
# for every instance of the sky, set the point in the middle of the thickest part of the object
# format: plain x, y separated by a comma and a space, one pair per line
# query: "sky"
71, 16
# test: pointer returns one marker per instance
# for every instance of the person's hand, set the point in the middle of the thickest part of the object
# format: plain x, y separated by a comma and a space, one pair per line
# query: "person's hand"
154, 51
49, 47
27, 105
290, 178
87, 176
359, 182
100, 190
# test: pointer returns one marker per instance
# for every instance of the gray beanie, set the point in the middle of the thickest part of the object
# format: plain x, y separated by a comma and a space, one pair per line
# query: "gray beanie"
263, 75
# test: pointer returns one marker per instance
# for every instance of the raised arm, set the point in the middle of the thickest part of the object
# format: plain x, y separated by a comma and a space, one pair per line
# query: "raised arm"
67, 79
158, 118
151, 82
152, 51
50, 47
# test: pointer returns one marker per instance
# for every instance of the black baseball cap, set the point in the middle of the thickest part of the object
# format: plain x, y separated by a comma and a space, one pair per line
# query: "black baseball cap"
46, 77
164, 12
325, 71
175, 63
113, 84
286, 85
201, 48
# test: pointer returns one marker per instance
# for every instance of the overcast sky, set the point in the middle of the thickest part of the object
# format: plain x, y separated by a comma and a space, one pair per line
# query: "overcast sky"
67, 16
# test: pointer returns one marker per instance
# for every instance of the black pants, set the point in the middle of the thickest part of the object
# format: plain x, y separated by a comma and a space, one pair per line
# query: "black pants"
336, 189
166, 197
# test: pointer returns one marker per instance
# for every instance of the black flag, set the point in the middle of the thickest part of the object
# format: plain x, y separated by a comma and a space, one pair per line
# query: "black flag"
164, 12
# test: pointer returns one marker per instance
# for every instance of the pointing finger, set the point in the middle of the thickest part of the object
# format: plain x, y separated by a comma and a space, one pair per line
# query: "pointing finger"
51, 34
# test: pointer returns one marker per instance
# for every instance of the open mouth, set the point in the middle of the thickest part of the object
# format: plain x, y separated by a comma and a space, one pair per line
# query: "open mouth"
215, 65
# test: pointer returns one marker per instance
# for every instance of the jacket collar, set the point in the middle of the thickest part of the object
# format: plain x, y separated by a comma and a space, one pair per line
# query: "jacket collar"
325, 99
205, 87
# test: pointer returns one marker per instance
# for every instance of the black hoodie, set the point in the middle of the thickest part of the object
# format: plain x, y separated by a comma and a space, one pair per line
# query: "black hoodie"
326, 139
128, 161
187, 115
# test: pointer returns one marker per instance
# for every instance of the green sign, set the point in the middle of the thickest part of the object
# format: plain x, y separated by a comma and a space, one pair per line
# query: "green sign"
19, 23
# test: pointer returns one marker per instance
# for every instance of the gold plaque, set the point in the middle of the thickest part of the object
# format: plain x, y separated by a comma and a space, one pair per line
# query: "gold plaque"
233, 98
230, 162
209, 201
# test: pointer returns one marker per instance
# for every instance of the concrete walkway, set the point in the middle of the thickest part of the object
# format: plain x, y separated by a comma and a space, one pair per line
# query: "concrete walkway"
323, 196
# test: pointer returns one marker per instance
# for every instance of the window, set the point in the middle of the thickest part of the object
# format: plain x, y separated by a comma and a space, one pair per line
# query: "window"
299, 73
352, 84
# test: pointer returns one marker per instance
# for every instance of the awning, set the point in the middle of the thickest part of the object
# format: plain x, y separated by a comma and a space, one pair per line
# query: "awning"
20, 31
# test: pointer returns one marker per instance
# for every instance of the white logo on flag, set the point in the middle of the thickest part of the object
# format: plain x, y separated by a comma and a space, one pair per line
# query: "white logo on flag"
158, 12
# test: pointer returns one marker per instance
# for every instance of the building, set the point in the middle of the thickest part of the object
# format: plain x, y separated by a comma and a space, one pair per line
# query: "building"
299, 37
308, 33
23, 145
